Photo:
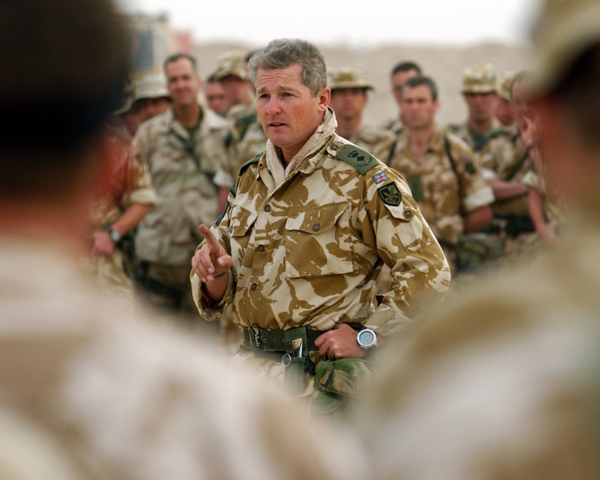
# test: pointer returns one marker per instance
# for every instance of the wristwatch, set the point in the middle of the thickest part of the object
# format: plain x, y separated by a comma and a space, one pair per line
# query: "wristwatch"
115, 236
366, 339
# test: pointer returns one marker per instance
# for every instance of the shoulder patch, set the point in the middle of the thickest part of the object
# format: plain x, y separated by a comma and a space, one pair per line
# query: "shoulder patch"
253, 160
390, 195
357, 157
379, 177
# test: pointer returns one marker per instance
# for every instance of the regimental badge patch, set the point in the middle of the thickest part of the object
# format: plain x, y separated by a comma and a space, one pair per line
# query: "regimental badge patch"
390, 195
380, 177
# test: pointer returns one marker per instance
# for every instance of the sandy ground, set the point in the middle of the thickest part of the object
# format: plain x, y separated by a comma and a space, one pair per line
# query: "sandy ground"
444, 64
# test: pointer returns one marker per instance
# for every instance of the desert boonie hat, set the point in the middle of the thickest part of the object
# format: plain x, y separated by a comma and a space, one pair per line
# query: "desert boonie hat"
233, 63
505, 85
480, 79
151, 86
348, 78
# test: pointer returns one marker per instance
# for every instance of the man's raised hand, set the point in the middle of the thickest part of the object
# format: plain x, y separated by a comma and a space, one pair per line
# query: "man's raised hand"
211, 260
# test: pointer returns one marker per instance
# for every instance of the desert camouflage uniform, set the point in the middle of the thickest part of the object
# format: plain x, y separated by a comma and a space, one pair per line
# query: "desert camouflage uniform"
248, 139
133, 399
394, 125
503, 156
308, 252
442, 194
131, 185
182, 171
378, 142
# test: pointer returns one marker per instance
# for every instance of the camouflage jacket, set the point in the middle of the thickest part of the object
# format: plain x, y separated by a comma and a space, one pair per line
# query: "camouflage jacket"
442, 193
308, 251
393, 125
182, 171
498, 151
377, 141
247, 139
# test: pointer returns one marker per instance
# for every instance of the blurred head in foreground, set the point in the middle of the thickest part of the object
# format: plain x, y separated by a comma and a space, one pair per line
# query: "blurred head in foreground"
60, 81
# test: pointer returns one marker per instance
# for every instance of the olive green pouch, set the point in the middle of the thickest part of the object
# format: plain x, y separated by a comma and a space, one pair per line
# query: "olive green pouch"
338, 382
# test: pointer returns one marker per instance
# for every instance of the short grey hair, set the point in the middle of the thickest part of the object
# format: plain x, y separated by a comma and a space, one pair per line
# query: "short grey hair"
285, 52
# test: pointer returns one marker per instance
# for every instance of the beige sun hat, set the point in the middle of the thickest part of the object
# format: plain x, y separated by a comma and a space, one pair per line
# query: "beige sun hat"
347, 78
126, 101
505, 85
151, 86
565, 28
233, 63
480, 79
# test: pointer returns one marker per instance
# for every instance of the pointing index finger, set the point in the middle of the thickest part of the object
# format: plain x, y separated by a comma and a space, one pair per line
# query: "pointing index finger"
208, 235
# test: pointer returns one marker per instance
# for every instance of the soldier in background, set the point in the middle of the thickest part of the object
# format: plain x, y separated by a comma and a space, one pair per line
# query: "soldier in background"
119, 209
504, 160
214, 93
400, 74
247, 138
123, 397
444, 177
182, 150
504, 382
505, 110
349, 89
151, 97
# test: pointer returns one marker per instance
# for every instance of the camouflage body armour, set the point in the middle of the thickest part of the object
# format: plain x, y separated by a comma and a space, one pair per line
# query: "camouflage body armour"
444, 188
307, 252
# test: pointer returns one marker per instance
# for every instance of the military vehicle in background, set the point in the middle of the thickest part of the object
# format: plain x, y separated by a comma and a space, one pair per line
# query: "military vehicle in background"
151, 39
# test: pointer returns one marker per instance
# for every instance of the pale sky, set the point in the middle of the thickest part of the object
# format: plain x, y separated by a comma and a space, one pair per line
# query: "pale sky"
348, 22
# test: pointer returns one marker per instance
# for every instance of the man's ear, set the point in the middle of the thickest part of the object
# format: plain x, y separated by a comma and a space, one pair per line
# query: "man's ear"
324, 98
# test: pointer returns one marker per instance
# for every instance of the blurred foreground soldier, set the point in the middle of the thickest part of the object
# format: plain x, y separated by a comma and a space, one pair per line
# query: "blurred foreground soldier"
151, 97
506, 382
127, 199
127, 399
400, 74
214, 93
349, 89
308, 227
441, 172
182, 150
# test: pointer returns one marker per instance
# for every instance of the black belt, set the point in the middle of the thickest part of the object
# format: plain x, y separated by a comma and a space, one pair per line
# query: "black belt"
274, 340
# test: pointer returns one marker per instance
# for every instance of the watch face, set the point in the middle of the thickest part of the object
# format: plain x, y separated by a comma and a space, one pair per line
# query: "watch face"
366, 338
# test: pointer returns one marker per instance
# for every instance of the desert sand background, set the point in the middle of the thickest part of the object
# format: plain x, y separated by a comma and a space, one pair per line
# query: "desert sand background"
444, 64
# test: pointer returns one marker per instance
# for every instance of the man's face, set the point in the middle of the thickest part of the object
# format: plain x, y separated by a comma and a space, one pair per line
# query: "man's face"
399, 79
482, 106
288, 112
215, 97
182, 82
418, 107
348, 103
151, 107
237, 91
505, 112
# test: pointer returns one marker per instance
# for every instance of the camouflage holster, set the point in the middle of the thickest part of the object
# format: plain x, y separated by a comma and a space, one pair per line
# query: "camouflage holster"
338, 383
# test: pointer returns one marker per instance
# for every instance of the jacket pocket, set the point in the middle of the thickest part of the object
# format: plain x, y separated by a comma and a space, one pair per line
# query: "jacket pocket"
318, 242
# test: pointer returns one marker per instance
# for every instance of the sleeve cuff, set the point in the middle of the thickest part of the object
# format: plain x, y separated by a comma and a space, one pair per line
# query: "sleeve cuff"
210, 310
479, 198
